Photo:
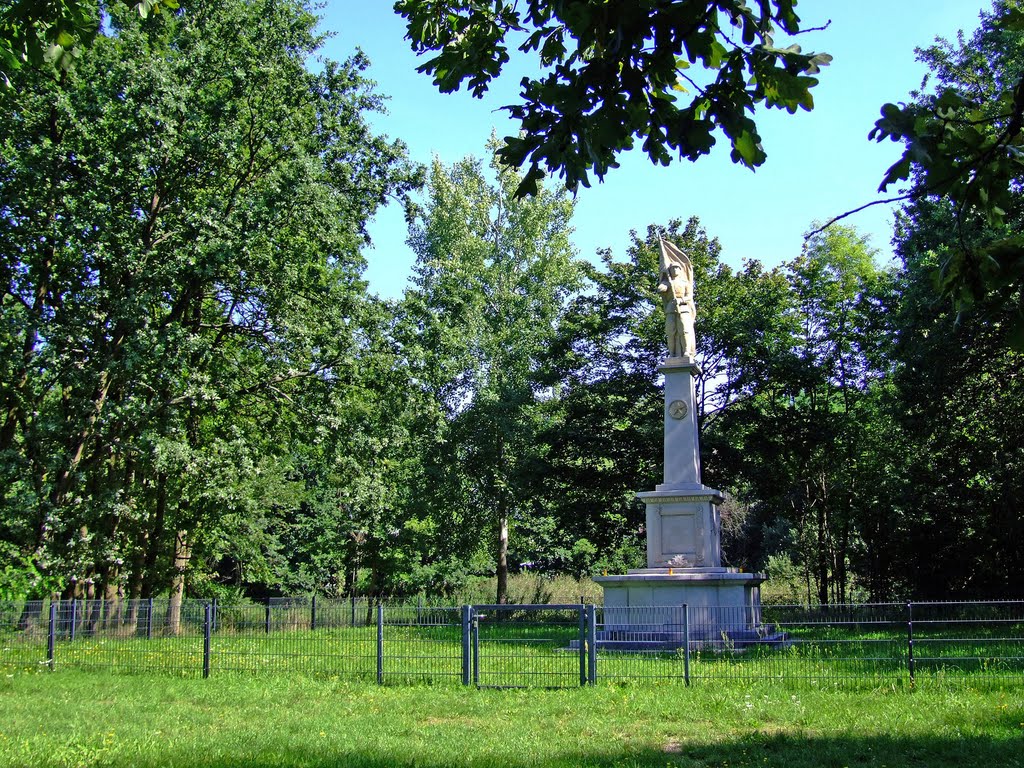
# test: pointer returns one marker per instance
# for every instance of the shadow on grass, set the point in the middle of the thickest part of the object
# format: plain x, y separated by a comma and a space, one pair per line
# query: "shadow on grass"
757, 750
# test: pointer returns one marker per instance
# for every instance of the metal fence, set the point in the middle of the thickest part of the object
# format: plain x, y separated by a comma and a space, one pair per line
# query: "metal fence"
525, 645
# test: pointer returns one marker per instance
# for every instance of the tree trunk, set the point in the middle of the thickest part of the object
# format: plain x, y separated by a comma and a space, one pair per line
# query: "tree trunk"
31, 614
15, 406
92, 606
135, 586
375, 591
502, 557
154, 538
822, 558
66, 476
112, 596
179, 565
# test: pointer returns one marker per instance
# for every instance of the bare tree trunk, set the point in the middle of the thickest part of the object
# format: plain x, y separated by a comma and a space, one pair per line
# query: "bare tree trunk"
112, 594
135, 586
65, 477
155, 537
182, 555
375, 591
31, 614
93, 606
502, 557
822, 558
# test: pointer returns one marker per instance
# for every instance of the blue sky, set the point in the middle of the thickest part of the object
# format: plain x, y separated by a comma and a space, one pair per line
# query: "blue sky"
819, 163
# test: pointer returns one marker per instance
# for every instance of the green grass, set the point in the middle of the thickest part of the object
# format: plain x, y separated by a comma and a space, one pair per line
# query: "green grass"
94, 719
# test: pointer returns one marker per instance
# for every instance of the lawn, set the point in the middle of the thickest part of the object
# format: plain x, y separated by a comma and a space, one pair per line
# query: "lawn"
97, 719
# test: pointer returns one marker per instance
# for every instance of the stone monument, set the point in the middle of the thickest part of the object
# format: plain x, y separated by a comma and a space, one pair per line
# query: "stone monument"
684, 556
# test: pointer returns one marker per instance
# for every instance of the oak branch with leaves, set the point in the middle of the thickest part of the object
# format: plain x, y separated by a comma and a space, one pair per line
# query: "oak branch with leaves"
964, 143
54, 31
615, 72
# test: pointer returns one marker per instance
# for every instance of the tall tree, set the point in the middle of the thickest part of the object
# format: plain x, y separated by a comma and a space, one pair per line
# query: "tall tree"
491, 279
180, 241
957, 407
798, 440
954, 406
965, 146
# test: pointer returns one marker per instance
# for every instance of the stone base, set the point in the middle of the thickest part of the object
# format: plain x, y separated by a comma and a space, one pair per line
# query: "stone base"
720, 603
683, 527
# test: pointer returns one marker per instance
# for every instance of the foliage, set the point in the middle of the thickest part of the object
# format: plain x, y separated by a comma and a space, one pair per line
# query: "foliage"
954, 398
526, 587
492, 275
965, 144
957, 413
198, 396
797, 443
180, 232
613, 73
55, 32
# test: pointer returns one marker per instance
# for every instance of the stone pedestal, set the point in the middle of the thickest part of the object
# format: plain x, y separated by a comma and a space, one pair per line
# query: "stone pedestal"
684, 528
721, 603
684, 547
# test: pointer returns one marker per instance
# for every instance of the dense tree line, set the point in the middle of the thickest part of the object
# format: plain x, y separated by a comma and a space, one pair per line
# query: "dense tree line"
198, 394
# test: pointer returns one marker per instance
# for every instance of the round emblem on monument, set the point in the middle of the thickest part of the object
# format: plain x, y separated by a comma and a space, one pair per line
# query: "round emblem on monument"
677, 409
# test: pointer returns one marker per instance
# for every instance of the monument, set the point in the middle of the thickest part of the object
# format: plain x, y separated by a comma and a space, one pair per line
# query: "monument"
684, 555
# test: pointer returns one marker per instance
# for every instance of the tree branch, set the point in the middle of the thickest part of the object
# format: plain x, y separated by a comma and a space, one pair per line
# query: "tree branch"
841, 216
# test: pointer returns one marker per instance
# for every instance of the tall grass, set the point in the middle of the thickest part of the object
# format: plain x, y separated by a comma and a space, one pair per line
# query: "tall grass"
530, 588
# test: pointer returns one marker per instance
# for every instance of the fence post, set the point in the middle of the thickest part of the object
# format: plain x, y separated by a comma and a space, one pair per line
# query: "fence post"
207, 625
686, 644
476, 649
51, 637
74, 618
583, 644
352, 602
312, 613
910, 642
592, 644
467, 649
266, 618
149, 619
380, 643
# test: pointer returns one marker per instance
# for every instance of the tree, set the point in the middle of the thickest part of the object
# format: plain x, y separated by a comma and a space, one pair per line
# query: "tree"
965, 145
613, 73
365, 522
491, 278
796, 442
956, 412
180, 230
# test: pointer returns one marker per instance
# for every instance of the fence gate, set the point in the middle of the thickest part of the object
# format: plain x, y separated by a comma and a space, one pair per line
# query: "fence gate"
520, 646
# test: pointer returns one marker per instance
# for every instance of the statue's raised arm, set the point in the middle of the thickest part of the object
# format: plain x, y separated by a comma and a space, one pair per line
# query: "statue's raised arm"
675, 284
